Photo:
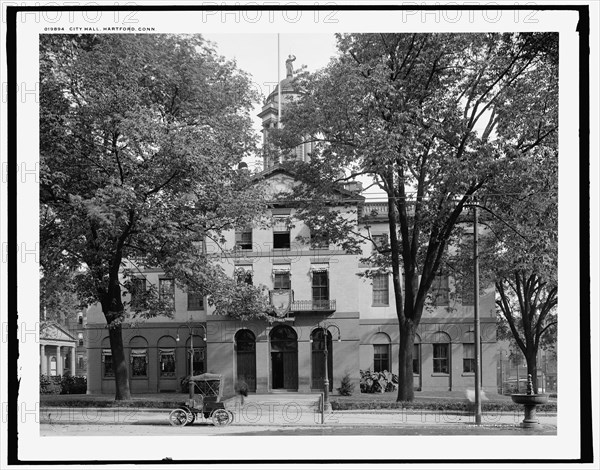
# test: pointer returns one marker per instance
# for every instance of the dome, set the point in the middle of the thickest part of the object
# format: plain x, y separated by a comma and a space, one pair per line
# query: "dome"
286, 89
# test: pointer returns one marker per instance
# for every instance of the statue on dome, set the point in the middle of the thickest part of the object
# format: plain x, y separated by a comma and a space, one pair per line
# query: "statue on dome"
288, 65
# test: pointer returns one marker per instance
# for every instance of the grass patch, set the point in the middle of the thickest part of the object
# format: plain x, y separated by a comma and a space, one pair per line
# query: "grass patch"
432, 405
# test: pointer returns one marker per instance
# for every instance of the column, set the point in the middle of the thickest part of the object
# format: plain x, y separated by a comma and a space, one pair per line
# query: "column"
43, 360
73, 369
59, 362
49, 363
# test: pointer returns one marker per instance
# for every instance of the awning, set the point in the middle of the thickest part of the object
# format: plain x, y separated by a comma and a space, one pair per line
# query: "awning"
282, 268
319, 267
107, 352
167, 351
138, 352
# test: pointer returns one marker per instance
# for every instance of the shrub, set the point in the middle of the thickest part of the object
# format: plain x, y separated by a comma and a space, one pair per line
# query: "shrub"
456, 406
50, 384
72, 385
346, 388
378, 382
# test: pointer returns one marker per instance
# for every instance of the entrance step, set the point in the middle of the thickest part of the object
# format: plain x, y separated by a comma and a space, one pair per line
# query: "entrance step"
278, 401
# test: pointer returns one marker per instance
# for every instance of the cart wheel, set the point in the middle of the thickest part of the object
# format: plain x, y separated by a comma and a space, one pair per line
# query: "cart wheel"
178, 417
191, 416
221, 417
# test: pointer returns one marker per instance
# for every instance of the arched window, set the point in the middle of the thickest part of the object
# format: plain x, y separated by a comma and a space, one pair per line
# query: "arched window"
381, 353
441, 353
138, 356
166, 356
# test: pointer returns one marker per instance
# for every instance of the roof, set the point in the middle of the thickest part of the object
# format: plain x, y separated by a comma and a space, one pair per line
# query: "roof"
286, 88
53, 331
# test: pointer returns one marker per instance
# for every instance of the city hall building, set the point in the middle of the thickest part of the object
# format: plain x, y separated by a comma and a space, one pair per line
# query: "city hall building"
329, 305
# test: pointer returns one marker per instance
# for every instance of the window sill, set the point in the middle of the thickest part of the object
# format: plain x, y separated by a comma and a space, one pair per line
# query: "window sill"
440, 374
468, 374
380, 305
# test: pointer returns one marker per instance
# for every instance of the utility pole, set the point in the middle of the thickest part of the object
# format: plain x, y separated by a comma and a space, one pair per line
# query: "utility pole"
477, 322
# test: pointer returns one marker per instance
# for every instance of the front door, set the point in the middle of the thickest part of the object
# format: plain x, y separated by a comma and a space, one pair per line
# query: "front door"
284, 358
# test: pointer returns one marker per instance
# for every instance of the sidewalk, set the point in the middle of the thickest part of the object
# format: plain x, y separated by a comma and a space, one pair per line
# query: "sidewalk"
288, 417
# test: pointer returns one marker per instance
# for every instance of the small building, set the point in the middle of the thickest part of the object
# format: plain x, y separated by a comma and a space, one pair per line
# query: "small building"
57, 350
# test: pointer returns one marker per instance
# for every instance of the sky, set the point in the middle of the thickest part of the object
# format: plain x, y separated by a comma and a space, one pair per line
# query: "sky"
257, 55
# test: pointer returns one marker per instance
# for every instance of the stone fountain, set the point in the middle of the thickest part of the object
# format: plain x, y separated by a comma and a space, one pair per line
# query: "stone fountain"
530, 400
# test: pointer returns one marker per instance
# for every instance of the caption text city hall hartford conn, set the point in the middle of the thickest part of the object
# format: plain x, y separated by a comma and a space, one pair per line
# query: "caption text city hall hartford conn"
287, 355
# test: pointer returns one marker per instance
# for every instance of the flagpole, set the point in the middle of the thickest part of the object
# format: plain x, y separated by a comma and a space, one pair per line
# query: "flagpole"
278, 83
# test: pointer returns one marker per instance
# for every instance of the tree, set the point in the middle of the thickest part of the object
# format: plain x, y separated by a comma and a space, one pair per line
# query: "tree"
523, 258
427, 116
140, 138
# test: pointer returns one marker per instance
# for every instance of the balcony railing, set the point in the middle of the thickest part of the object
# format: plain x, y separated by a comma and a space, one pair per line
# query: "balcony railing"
313, 306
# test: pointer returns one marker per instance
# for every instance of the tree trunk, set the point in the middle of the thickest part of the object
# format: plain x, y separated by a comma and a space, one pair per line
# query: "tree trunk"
531, 358
121, 370
112, 306
406, 390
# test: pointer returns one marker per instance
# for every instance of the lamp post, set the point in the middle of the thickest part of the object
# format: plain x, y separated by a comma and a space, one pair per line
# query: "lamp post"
324, 326
190, 327
502, 353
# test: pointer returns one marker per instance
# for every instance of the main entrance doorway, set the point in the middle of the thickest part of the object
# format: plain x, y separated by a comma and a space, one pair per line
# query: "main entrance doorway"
284, 358
318, 359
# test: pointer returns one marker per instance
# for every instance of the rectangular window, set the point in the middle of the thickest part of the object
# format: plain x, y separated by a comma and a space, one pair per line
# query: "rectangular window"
440, 291
281, 280
416, 359
80, 361
195, 301
138, 289
469, 357
440, 358
320, 287
167, 363
80, 339
381, 360
381, 290
381, 241
166, 292
318, 240
107, 362
281, 234
243, 275
243, 238
139, 363
80, 319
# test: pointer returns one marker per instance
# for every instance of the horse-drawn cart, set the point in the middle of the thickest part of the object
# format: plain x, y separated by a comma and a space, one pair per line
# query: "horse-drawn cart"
204, 402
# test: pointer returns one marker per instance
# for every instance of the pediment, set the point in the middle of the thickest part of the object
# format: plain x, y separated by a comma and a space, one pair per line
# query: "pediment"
55, 332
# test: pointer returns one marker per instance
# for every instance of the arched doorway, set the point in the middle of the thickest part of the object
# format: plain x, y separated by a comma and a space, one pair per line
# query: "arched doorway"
245, 350
317, 339
284, 358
